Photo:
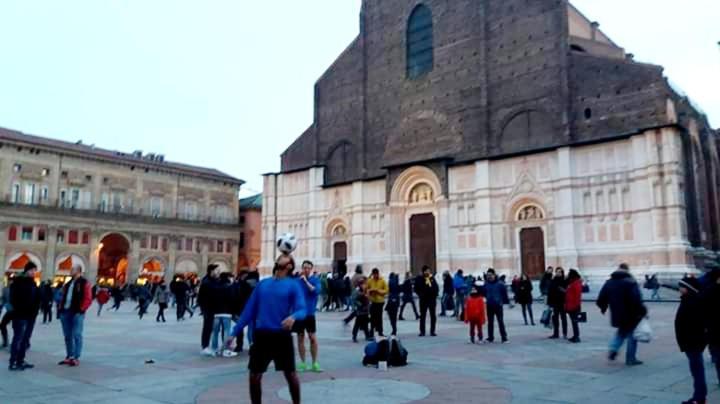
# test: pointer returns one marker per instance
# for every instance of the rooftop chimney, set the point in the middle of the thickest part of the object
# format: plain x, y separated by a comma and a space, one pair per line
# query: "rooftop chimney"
595, 26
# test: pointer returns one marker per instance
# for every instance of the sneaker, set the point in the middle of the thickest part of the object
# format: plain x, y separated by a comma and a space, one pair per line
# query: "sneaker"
634, 363
64, 362
26, 365
316, 368
554, 337
74, 363
421, 335
612, 356
489, 341
301, 367
505, 341
207, 352
574, 340
229, 354
432, 334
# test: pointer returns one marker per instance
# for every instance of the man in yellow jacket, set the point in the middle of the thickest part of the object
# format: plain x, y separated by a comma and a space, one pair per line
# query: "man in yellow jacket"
377, 290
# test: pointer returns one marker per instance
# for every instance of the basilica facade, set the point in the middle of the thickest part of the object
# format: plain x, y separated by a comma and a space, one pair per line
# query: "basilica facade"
506, 134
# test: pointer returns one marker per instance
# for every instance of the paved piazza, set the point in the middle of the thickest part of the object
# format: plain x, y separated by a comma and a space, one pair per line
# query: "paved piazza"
531, 369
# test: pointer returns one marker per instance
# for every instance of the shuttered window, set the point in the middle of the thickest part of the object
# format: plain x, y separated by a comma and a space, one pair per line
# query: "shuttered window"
419, 42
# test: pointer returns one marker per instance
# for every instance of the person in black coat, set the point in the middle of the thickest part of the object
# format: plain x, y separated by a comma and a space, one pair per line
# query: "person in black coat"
427, 290
46, 301
621, 294
556, 301
25, 301
408, 297
545, 281
690, 331
241, 291
448, 293
205, 295
524, 298
711, 301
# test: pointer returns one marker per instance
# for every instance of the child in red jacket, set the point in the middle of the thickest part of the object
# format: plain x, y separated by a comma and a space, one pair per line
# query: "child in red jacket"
475, 314
573, 302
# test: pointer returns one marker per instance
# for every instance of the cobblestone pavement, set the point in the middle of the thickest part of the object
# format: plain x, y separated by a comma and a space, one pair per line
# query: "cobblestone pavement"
531, 369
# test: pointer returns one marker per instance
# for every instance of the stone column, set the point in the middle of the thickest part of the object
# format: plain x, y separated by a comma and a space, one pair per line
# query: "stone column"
235, 256
133, 271
50, 256
204, 259
94, 255
172, 258
3, 246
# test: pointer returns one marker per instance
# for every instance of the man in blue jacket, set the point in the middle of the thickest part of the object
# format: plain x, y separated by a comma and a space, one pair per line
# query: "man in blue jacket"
460, 294
496, 296
274, 307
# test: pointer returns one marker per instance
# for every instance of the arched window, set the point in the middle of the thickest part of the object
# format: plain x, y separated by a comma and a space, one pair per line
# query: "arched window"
419, 42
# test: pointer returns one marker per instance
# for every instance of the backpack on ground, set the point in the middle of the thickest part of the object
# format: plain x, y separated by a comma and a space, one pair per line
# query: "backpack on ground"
398, 354
376, 352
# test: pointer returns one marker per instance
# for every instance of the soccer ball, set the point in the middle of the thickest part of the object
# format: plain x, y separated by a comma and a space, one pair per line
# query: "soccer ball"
287, 243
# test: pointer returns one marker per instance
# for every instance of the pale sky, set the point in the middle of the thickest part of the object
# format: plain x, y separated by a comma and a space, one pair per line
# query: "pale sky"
228, 84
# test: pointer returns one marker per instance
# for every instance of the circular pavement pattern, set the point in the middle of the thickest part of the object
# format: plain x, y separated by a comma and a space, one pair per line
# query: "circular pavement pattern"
365, 391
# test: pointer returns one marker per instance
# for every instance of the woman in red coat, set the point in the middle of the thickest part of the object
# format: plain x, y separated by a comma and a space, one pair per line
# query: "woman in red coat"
573, 302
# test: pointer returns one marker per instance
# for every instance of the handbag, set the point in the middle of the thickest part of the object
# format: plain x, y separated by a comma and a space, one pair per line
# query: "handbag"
581, 317
545, 318
643, 332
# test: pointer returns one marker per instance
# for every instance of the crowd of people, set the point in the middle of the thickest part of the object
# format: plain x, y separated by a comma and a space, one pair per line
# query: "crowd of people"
267, 312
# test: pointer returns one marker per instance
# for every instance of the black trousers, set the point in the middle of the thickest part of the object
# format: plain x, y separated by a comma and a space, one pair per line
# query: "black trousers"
180, 307
207, 327
558, 315
527, 309
414, 307
575, 324
428, 305
7, 318
392, 309
376, 318
361, 323
161, 312
47, 313
496, 312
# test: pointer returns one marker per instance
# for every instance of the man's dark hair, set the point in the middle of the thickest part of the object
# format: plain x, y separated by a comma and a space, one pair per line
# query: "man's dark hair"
426, 268
309, 263
460, 271
358, 269
624, 267
30, 266
375, 271
491, 271
211, 268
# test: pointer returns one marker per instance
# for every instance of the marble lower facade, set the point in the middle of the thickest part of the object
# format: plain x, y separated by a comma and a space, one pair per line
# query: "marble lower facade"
589, 207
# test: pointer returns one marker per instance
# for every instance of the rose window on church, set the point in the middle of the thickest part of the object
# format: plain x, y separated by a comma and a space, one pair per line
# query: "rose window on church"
422, 193
530, 212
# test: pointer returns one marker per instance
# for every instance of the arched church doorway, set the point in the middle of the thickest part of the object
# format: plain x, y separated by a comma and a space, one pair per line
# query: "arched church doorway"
340, 258
532, 249
422, 242
112, 259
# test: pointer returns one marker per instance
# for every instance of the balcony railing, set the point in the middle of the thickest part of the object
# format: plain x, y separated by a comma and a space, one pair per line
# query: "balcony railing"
120, 212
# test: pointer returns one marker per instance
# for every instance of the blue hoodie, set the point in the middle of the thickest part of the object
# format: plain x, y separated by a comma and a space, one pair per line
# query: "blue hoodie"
311, 297
459, 283
272, 301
